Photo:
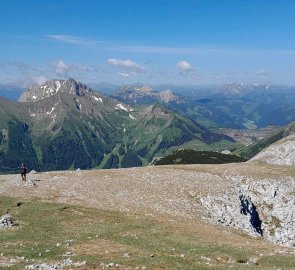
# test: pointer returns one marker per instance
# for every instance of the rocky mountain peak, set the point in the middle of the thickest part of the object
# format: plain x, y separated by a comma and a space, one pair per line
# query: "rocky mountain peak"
146, 95
168, 96
38, 92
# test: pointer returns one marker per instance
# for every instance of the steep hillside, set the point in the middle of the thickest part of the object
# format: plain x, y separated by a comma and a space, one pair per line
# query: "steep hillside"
282, 152
190, 156
161, 129
15, 142
252, 150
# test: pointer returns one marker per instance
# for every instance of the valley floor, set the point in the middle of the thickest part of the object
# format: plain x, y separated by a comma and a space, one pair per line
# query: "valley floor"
138, 218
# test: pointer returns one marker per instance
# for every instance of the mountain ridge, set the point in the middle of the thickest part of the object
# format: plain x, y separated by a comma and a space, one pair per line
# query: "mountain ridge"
71, 126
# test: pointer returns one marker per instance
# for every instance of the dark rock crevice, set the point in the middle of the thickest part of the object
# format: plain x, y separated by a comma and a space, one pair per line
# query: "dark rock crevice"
248, 208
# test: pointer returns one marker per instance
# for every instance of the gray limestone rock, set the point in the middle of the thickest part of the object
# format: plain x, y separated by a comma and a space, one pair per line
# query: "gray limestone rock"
6, 221
263, 208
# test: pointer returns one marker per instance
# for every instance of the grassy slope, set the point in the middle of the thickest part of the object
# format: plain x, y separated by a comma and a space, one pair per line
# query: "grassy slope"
100, 236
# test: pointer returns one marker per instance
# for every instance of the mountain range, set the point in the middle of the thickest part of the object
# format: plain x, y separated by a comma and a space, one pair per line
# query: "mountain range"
235, 106
63, 124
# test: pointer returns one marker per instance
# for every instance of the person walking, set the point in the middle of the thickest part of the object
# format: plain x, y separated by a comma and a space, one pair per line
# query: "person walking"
23, 172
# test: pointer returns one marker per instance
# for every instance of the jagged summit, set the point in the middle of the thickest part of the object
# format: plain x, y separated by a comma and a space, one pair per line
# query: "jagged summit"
38, 92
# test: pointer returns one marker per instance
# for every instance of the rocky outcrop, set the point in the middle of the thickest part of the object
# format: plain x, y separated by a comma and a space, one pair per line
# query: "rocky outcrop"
280, 153
263, 208
6, 221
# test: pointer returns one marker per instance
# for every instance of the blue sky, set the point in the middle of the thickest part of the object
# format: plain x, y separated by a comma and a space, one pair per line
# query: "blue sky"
148, 41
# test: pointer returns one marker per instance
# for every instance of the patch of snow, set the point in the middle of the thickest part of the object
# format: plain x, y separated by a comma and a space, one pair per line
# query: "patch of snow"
131, 116
34, 97
58, 85
124, 129
52, 109
33, 114
97, 99
120, 106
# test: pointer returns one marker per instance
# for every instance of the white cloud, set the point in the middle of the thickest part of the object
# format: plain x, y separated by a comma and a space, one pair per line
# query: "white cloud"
126, 65
39, 79
184, 66
123, 74
61, 68
72, 40
261, 72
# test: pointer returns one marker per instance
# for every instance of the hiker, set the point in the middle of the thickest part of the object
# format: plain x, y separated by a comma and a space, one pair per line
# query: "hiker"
23, 172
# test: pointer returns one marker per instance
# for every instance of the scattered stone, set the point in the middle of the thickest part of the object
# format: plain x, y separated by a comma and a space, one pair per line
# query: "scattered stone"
58, 244
182, 255
6, 221
206, 258
31, 183
79, 264
152, 255
126, 255
56, 266
254, 260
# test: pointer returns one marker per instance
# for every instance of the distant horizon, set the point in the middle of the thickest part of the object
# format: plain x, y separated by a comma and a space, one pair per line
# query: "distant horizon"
22, 86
